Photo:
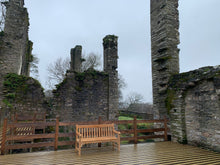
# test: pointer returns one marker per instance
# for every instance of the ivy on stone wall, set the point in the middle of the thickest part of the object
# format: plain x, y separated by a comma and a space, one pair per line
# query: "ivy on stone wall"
1, 33
169, 100
15, 86
92, 73
61, 84
89, 74
29, 56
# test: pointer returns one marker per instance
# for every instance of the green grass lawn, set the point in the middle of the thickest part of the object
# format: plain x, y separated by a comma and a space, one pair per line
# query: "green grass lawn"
125, 118
130, 126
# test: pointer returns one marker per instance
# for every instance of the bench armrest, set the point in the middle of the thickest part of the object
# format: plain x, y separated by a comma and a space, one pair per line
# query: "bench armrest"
78, 134
117, 132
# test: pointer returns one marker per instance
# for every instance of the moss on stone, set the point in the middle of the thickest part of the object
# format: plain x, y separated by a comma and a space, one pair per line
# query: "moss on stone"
29, 56
2, 33
61, 84
78, 88
109, 38
165, 58
14, 82
7, 103
80, 76
91, 73
1, 38
169, 100
16, 86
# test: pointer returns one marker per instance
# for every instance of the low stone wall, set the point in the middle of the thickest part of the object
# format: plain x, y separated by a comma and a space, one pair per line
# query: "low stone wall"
193, 104
145, 116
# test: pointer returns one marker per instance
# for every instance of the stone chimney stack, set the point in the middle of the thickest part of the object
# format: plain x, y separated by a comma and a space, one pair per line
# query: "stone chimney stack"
76, 58
110, 45
164, 50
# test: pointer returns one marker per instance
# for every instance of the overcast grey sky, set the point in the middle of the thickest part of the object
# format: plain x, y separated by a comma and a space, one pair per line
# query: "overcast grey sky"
57, 26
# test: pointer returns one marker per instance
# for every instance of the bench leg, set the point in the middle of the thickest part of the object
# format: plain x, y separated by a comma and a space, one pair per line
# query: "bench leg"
79, 149
118, 144
75, 146
113, 145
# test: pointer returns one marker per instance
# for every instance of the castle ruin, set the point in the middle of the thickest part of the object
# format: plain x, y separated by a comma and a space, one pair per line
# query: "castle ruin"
86, 95
15, 49
190, 100
82, 96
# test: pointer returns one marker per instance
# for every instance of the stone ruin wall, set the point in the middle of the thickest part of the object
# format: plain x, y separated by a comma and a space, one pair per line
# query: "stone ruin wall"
15, 49
194, 107
23, 95
191, 100
81, 96
84, 96
15, 46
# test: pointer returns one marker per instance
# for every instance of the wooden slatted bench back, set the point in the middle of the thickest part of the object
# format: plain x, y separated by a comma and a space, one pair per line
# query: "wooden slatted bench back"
96, 131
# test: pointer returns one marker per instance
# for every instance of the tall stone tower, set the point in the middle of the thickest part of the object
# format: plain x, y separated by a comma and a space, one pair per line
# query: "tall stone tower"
76, 58
164, 49
15, 47
110, 44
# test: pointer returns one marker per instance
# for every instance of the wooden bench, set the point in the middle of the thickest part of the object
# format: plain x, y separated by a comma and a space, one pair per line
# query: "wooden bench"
86, 134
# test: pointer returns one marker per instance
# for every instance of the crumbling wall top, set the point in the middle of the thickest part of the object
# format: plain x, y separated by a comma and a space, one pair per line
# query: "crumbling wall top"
76, 58
110, 41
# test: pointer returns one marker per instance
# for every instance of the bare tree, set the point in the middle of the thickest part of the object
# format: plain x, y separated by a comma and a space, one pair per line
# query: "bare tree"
34, 67
134, 98
121, 85
92, 60
57, 69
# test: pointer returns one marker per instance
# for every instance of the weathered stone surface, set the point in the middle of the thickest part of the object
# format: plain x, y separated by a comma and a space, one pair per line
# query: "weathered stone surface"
22, 95
15, 47
194, 107
110, 44
76, 58
191, 100
84, 96
164, 50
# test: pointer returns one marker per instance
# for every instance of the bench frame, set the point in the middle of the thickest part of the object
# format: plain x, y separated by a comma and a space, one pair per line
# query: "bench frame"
100, 133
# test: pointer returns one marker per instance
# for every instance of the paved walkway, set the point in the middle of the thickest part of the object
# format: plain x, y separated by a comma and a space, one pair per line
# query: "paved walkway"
146, 153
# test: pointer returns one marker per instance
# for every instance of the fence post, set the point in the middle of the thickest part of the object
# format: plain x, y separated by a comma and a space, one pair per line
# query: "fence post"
99, 122
56, 133
165, 129
135, 130
4, 132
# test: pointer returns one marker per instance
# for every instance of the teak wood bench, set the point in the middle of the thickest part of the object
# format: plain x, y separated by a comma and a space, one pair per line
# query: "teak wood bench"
86, 134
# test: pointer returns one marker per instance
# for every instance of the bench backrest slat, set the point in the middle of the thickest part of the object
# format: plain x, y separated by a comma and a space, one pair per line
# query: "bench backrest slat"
93, 131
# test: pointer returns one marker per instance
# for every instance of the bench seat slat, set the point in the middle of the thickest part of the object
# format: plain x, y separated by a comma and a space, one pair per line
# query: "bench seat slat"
98, 139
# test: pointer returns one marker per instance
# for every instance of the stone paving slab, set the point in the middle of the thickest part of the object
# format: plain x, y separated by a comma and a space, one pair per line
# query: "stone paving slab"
165, 153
